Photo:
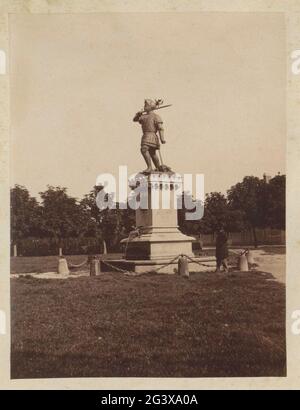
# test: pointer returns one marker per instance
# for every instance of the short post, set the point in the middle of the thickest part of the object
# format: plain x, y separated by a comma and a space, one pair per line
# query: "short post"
104, 247
94, 266
243, 263
183, 266
15, 251
250, 258
63, 268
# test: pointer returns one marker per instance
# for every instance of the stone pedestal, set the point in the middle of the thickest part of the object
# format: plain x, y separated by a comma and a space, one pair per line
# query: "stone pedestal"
158, 236
157, 240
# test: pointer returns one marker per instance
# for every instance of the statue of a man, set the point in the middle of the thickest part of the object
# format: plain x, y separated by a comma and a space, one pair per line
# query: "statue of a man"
151, 125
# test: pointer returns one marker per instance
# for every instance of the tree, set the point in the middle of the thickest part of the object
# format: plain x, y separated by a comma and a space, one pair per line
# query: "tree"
248, 197
109, 225
188, 227
261, 203
215, 212
63, 216
218, 213
92, 213
276, 207
26, 217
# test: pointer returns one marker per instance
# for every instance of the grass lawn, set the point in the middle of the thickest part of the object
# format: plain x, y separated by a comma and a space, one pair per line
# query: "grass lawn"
148, 326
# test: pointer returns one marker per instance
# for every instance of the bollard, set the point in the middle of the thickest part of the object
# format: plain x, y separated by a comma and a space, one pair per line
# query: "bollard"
243, 263
183, 266
250, 258
63, 267
94, 266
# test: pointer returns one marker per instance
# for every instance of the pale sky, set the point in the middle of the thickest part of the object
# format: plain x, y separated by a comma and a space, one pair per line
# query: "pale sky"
77, 81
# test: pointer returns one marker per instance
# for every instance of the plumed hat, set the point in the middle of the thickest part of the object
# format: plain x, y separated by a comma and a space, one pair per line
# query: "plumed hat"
150, 103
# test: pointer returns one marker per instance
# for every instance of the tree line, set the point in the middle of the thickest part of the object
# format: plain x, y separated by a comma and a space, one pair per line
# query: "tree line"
248, 205
58, 217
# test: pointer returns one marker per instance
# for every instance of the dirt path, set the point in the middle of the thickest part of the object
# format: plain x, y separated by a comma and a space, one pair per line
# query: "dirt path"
271, 263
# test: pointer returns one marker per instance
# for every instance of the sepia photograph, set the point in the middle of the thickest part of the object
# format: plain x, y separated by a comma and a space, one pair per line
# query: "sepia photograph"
149, 185
147, 192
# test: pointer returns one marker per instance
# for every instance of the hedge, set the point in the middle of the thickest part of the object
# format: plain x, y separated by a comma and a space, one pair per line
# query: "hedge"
49, 246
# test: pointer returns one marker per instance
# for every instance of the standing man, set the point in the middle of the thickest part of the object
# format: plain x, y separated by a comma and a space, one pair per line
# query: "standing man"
151, 125
222, 250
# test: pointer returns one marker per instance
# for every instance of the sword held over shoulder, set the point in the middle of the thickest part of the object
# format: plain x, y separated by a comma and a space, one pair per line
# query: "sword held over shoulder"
156, 108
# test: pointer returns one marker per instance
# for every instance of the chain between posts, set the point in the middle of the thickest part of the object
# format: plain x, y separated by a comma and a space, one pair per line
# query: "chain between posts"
71, 265
195, 261
128, 272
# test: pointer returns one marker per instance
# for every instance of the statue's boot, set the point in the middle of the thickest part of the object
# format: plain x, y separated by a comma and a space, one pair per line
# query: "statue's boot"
147, 171
147, 158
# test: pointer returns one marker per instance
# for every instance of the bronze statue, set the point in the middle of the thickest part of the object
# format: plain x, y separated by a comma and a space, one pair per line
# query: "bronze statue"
151, 125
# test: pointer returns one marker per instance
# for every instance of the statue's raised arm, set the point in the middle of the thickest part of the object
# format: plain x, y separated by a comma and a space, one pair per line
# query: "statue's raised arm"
136, 118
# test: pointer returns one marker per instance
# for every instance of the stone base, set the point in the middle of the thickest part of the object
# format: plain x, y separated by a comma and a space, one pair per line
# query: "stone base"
158, 243
157, 239
145, 266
